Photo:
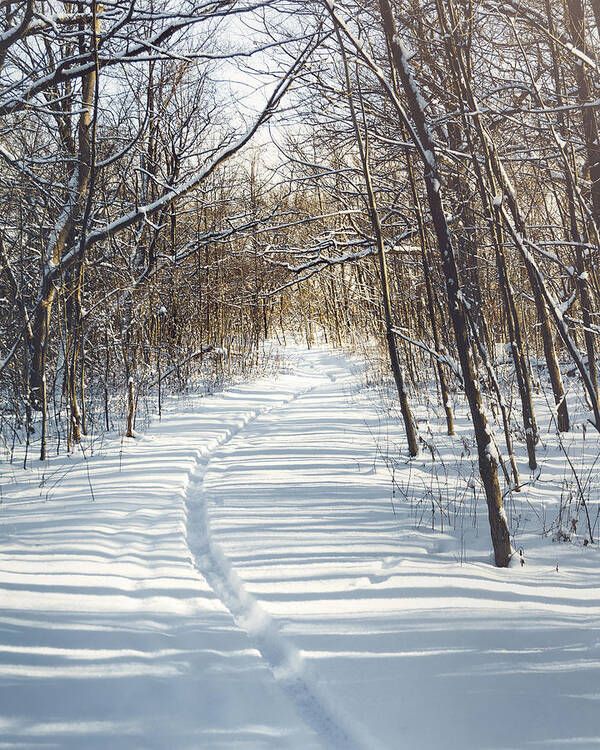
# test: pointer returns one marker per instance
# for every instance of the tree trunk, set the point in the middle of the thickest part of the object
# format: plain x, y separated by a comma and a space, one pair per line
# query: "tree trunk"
62, 236
409, 423
487, 454
130, 409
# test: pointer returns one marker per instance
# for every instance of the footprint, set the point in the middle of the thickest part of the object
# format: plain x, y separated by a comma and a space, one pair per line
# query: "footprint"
379, 578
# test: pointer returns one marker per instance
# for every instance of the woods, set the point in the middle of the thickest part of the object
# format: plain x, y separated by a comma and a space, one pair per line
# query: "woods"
181, 182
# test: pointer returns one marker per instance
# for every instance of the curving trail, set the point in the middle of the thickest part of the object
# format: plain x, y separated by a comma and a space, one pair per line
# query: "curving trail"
331, 723
241, 580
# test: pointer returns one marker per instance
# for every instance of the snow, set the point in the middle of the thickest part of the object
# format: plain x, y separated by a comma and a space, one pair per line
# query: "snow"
429, 157
463, 300
582, 57
245, 575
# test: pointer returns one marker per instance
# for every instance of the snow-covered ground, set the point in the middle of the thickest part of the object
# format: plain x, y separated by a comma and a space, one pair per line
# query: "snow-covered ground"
247, 576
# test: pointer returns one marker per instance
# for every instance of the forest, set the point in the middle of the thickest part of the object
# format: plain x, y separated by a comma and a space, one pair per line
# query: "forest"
265, 206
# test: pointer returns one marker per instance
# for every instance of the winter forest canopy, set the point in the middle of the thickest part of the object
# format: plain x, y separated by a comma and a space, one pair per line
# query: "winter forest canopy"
181, 181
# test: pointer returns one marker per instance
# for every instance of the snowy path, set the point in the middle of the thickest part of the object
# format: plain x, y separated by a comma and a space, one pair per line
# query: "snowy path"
282, 658
239, 580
